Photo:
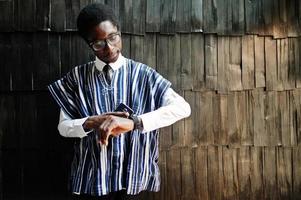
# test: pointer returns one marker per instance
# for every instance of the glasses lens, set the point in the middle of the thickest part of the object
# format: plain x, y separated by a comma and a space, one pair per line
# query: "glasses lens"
98, 45
114, 39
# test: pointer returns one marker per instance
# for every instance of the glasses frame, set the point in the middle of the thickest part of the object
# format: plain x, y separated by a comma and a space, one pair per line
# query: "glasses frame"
106, 41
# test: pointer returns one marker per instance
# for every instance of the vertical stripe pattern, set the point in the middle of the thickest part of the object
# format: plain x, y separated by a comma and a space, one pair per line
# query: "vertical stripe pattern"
130, 160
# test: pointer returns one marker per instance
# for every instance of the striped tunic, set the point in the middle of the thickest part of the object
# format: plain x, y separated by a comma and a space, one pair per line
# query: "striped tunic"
130, 161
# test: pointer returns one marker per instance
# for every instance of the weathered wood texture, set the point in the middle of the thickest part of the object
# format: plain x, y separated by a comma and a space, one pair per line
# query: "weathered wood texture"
236, 62
276, 18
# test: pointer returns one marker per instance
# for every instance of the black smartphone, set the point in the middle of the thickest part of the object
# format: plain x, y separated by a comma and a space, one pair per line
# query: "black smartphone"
124, 108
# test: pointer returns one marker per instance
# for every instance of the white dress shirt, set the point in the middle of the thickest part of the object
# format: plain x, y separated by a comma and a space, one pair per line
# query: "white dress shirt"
173, 109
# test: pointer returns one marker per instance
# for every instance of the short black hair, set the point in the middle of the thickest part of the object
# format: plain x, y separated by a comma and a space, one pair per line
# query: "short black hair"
92, 15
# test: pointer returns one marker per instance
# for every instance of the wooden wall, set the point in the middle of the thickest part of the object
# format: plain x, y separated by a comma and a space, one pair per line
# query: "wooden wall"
237, 62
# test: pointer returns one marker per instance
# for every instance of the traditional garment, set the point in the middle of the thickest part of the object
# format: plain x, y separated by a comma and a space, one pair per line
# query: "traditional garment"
130, 160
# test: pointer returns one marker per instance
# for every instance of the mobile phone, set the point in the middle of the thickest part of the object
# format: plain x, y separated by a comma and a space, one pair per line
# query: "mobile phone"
124, 108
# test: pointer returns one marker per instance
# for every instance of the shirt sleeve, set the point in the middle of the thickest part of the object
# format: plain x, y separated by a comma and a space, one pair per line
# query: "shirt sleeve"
71, 127
174, 107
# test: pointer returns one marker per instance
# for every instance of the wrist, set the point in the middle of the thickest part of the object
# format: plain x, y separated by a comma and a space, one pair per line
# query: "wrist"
137, 121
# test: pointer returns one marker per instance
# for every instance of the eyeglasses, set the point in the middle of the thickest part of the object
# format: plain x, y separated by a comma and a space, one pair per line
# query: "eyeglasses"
113, 39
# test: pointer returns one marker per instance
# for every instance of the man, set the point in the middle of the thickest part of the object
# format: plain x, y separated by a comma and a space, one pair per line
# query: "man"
117, 154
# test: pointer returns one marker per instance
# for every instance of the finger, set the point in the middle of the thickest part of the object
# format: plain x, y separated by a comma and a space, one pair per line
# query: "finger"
104, 130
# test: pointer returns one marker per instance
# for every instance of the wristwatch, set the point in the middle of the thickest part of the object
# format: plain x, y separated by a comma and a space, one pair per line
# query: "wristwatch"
137, 122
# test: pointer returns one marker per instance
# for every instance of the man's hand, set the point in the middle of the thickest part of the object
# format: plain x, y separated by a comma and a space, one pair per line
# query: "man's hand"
113, 123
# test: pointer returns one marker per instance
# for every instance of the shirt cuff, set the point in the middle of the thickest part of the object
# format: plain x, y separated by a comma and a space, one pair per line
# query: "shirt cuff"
78, 127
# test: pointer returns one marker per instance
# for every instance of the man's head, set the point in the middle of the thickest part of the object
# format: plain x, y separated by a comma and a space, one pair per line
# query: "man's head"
99, 27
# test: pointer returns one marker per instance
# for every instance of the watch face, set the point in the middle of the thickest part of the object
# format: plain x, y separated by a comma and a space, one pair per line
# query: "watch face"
124, 108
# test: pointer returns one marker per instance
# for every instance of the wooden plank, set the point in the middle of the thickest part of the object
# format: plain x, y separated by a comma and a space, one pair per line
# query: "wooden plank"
149, 50
288, 138
188, 174
175, 61
223, 64
210, 16
235, 60
197, 19
252, 15
295, 102
23, 54
259, 62
248, 62
215, 173
126, 45
271, 63
183, 18
258, 99
139, 9
162, 57
114, 4
190, 124
285, 74
7, 16
186, 71
234, 121
27, 122
58, 15
25, 15
126, 16
280, 19
297, 55
9, 139
54, 57
65, 53
269, 172
211, 61
272, 118
174, 184
168, 17
220, 124
41, 74
294, 26
247, 137
257, 190
166, 140
137, 43
43, 15
224, 20
293, 62
267, 20
72, 11
205, 114
12, 180
244, 172
6, 68
293, 116
201, 173
216, 110
197, 61
284, 172
296, 172
230, 173
152, 23
237, 15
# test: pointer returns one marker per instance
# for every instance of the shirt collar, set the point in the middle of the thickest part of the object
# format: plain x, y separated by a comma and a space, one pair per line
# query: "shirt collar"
115, 65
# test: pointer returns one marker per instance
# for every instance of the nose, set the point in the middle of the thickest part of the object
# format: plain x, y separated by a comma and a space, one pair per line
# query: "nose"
109, 46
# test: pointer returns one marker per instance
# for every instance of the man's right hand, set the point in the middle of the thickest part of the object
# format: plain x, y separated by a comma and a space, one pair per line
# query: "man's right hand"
95, 121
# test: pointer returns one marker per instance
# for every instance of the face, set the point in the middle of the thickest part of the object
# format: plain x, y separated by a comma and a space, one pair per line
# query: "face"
109, 53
